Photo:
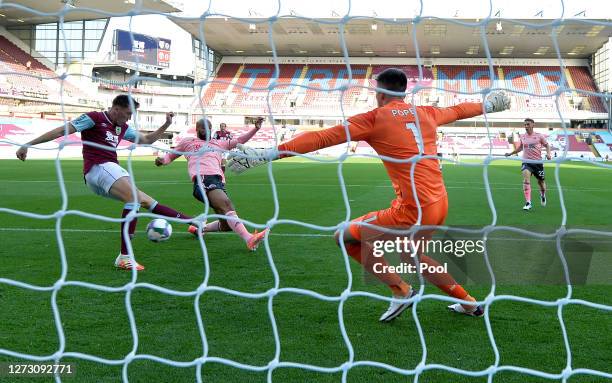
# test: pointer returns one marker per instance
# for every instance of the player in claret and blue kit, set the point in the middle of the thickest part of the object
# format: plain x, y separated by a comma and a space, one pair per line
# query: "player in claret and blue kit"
101, 132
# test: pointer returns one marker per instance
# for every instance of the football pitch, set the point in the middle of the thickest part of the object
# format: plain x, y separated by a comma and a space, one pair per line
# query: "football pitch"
96, 323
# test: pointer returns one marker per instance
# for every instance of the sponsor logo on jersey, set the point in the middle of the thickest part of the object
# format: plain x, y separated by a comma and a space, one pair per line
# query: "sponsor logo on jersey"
112, 139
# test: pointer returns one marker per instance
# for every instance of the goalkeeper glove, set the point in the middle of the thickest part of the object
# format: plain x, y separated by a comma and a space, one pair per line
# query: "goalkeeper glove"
497, 101
246, 157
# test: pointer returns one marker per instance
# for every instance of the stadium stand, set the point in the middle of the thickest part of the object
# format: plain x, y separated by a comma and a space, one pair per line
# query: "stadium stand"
27, 77
228, 87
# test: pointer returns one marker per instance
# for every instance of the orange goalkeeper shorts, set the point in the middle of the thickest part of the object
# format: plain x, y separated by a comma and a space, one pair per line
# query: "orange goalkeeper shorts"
400, 218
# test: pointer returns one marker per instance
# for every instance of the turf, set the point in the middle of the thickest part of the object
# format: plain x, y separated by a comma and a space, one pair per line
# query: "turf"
96, 323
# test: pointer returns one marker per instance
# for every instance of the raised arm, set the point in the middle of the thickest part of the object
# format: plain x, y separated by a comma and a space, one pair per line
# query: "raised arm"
51, 135
246, 136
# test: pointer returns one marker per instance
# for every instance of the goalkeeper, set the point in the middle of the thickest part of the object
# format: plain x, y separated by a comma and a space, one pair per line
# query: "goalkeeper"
393, 131
204, 164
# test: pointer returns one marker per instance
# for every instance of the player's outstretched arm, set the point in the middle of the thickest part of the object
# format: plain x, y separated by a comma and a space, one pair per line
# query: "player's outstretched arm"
149, 138
496, 101
359, 128
171, 156
51, 135
243, 139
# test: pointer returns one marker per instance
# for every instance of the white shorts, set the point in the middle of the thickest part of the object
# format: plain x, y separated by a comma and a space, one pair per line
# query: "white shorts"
101, 177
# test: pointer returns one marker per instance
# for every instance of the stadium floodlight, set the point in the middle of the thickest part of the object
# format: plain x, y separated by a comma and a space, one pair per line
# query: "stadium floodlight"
499, 27
374, 26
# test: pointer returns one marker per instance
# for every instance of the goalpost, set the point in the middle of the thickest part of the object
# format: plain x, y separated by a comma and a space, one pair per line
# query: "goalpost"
351, 362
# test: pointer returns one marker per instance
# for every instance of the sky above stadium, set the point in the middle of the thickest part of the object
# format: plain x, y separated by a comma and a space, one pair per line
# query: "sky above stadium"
525, 9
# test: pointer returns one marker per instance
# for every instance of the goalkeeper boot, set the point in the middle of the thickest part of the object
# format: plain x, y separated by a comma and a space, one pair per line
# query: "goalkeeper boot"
397, 308
477, 311
527, 206
124, 262
253, 242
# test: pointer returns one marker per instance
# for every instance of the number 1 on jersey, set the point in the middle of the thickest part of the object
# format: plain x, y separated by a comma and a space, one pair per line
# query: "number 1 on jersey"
417, 136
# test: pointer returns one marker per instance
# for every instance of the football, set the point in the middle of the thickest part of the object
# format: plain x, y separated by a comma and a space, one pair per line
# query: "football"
159, 230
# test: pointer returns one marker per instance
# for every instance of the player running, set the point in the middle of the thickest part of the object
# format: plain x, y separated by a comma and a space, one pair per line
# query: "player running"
531, 144
391, 129
204, 164
103, 175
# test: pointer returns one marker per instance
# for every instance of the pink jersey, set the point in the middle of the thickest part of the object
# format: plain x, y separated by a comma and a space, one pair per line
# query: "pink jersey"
96, 127
204, 157
532, 145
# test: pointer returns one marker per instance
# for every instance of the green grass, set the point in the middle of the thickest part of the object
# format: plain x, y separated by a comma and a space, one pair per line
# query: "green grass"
96, 323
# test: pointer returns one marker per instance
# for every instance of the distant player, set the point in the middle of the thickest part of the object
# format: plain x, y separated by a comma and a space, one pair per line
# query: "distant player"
531, 144
204, 164
455, 153
391, 130
103, 175
223, 134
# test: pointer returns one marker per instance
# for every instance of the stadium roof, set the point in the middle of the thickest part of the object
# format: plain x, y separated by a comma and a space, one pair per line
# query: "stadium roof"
374, 37
46, 11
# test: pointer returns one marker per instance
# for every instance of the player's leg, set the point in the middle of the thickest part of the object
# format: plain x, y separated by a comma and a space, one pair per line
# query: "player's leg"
100, 180
121, 189
199, 193
362, 252
539, 175
220, 202
223, 205
434, 214
526, 172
